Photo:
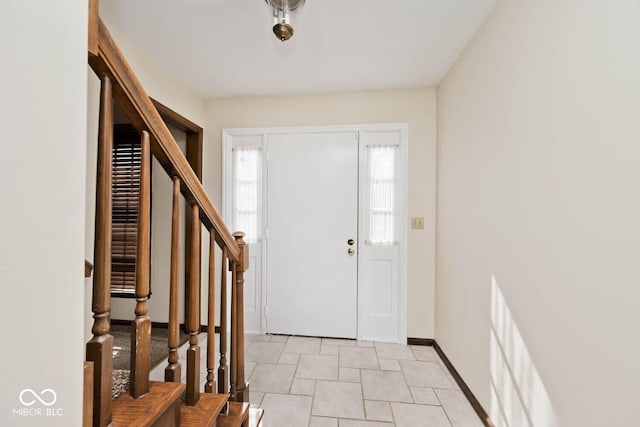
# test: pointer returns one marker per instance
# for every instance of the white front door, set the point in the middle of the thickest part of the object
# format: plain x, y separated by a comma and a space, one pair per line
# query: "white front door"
312, 214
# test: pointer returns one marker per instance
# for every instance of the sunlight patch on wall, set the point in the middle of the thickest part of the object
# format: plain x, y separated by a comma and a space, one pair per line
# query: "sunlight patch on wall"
518, 396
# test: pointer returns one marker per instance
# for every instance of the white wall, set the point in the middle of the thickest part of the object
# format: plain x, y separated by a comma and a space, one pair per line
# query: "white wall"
417, 107
538, 148
42, 221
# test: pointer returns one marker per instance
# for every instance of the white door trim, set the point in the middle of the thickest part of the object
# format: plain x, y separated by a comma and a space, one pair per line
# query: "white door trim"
402, 128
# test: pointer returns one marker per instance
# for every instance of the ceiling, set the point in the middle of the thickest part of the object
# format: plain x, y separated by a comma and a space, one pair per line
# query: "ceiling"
225, 48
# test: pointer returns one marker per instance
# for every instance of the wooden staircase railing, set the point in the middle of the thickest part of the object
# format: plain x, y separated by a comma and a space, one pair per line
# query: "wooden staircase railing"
120, 85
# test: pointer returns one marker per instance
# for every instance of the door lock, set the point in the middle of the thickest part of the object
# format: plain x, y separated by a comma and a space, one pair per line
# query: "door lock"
350, 242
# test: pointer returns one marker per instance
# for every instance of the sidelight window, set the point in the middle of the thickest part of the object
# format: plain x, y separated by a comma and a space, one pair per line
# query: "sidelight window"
382, 165
246, 191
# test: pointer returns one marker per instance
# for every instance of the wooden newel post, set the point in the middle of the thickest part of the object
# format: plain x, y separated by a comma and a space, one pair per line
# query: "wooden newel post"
241, 386
100, 347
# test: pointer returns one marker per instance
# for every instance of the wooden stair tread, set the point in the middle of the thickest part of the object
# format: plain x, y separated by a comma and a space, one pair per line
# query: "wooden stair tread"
145, 410
238, 413
205, 412
255, 416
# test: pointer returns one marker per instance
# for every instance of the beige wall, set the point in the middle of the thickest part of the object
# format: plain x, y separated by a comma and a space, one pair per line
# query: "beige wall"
159, 84
42, 107
416, 107
538, 148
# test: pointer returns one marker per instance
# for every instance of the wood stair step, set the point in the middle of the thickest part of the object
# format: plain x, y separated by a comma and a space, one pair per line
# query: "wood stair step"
238, 413
160, 405
205, 412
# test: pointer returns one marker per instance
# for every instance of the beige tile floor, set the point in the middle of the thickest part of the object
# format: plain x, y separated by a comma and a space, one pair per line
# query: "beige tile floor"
314, 382
317, 382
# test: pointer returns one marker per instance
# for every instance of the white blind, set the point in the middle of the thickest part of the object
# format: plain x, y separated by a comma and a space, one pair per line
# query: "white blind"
246, 181
382, 180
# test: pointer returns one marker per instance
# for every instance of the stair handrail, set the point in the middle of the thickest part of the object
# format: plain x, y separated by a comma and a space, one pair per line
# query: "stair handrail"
143, 115
120, 84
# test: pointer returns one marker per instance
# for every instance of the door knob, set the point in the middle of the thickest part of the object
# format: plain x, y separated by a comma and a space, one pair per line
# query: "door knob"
351, 251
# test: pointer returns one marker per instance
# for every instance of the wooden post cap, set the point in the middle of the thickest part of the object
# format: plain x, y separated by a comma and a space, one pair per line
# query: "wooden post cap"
244, 250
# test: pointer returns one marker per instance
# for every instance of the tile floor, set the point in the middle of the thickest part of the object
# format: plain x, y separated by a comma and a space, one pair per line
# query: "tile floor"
319, 382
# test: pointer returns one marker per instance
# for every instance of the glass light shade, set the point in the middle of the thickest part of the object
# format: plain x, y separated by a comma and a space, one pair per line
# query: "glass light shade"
286, 5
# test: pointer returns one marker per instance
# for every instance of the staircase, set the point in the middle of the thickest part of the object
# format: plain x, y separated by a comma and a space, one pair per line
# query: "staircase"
223, 400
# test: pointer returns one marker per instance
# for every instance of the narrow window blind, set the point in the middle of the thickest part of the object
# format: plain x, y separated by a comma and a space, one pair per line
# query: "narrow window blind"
125, 185
246, 181
382, 204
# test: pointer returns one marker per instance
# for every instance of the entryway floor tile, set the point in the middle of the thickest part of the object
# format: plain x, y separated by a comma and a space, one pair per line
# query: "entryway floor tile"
338, 399
286, 410
302, 382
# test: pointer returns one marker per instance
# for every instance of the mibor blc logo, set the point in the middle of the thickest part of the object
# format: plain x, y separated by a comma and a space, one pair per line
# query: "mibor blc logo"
36, 404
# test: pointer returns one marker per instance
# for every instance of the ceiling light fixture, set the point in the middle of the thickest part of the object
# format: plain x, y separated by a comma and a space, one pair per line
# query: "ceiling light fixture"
281, 17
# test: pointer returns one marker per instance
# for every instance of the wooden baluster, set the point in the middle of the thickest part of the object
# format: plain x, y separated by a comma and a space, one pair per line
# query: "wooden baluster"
223, 369
193, 312
172, 373
100, 347
191, 252
210, 385
242, 387
141, 325
234, 331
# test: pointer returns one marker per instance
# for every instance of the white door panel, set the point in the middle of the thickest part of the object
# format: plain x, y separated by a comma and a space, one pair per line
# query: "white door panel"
252, 291
246, 214
312, 212
378, 260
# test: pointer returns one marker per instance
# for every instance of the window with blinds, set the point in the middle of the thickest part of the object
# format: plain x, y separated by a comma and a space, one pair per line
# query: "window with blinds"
382, 175
125, 186
246, 191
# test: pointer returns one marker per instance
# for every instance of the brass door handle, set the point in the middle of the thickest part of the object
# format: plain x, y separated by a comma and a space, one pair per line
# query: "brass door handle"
351, 251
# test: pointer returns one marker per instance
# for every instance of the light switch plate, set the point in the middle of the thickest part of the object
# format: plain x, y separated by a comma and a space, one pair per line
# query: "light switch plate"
417, 223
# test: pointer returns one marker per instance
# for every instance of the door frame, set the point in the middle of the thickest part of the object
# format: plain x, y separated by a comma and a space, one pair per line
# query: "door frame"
402, 204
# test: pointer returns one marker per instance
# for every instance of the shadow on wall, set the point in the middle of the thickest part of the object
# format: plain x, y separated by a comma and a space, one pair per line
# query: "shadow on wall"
518, 396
